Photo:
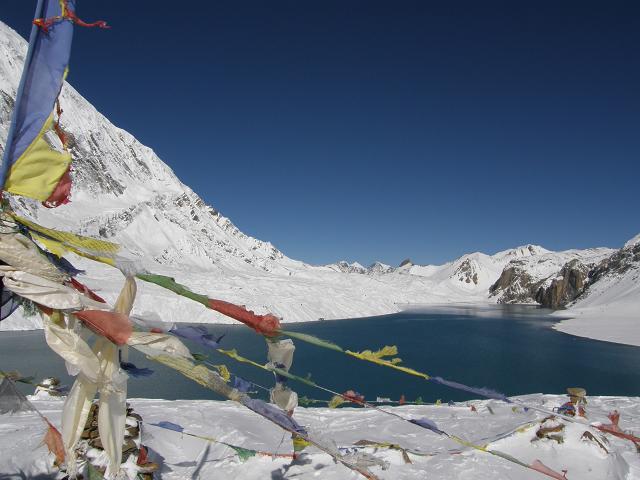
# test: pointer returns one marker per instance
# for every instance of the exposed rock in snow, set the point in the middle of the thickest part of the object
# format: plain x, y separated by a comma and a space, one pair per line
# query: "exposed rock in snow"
528, 279
346, 267
405, 263
564, 287
634, 241
610, 305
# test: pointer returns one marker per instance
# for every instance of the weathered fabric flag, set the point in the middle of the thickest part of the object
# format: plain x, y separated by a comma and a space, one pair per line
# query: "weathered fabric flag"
30, 167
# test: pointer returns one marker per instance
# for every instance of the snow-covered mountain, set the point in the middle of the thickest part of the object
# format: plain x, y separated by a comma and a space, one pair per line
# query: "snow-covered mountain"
124, 193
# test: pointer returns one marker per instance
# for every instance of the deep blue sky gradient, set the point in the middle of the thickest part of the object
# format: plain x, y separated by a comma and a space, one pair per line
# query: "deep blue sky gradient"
377, 130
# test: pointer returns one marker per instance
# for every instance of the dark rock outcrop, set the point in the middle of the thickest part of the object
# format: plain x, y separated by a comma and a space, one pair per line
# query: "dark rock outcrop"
466, 272
515, 285
565, 287
618, 263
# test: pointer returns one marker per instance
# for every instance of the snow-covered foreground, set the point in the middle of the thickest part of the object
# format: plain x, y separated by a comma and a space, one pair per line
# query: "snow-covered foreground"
21, 452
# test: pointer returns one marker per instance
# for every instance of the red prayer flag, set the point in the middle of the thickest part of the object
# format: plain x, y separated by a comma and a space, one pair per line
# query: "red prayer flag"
53, 440
114, 326
538, 466
265, 324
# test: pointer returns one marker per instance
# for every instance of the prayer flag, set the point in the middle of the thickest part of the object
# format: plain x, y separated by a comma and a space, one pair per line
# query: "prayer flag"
30, 167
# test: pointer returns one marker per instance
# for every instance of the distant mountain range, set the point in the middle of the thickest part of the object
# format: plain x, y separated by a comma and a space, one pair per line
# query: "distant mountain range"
124, 193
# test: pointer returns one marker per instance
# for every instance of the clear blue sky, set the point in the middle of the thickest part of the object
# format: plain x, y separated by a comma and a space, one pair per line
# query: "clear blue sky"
378, 130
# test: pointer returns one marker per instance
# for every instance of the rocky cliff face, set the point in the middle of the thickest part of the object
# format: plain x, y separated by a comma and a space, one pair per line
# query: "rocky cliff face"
515, 285
522, 282
565, 287
621, 262
552, 279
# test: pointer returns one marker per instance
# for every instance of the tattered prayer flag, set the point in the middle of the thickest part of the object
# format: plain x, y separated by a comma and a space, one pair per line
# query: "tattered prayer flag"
87, 291
15, 376
53, 440
67, 13
93, 472
134, 371
268, 324
274, 414
198, 334
312, 340
428, 424
617, 432
299, 443
336, 401
29, 166
506, 456
170, 284
265, 324
116, 327
99, 250
614, 417
241, 384
482, 391
169, 426
61, 263
243, 453
9, 301
12, 400
378, 358
223, 371
353, 396
542, 468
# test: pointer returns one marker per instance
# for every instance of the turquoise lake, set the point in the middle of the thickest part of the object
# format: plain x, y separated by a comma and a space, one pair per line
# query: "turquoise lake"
511, 349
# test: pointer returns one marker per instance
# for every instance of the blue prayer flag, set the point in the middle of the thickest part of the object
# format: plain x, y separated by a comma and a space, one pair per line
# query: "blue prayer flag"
198, 334
482, 391
169, 426
134, 371
428, 424
241, 384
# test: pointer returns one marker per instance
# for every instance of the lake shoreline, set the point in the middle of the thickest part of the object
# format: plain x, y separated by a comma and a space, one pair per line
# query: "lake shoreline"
470, 346
621, 327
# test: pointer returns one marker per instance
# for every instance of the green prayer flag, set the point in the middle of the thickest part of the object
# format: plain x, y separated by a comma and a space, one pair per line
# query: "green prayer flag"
313, 340
170, 284
93, 473
200, 357
243, 453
